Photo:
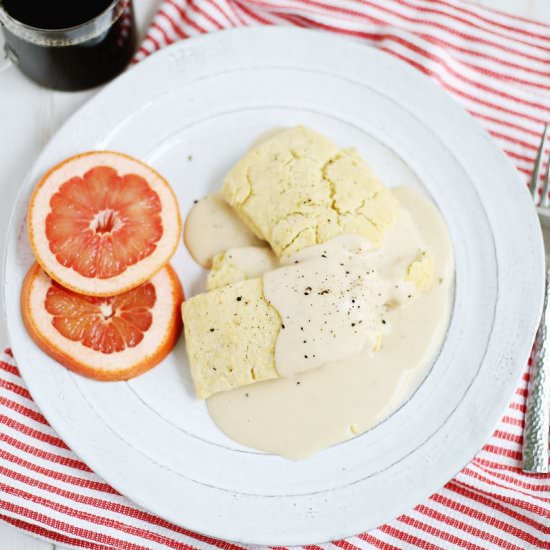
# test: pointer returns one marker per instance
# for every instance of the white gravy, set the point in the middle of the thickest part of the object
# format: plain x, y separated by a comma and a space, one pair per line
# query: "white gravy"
300, 414
212, 227
253, 260
331, 302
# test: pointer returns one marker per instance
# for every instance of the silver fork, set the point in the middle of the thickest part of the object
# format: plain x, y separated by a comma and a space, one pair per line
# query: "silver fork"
535, 433
540, 200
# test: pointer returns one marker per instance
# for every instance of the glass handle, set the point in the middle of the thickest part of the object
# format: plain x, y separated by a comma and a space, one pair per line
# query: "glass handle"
5, 63
8, 57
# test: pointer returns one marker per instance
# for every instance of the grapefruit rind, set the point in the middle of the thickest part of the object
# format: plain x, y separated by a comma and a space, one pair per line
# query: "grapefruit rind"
133, 275
156, 344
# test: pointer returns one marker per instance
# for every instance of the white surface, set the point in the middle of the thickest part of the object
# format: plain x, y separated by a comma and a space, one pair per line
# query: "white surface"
29, 115
188, 100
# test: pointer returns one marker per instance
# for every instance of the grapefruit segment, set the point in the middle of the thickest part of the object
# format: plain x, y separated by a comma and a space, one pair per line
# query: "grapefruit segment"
103, 324
106, 338
102, 223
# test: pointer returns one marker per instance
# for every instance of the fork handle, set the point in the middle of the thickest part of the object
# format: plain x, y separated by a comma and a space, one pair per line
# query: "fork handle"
535, 434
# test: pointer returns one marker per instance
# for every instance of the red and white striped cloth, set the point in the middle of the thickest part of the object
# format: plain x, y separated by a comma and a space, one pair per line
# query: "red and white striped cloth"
498, 67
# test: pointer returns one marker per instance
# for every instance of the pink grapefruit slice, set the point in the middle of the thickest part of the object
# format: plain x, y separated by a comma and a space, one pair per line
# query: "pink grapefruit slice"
102, 223
106, 338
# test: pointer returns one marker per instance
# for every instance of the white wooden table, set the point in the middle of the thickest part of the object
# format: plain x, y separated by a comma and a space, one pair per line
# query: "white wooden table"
28, 117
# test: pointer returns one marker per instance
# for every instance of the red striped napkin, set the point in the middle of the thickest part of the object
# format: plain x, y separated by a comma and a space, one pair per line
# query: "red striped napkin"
498, 67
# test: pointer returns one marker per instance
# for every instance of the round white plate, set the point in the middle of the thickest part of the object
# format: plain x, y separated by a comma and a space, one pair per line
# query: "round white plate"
191, 111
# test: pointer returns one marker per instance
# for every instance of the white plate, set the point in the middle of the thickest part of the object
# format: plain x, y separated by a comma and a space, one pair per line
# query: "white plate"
191, 111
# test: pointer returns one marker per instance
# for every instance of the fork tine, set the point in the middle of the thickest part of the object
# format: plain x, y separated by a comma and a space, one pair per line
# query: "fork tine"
538, 165
546, 183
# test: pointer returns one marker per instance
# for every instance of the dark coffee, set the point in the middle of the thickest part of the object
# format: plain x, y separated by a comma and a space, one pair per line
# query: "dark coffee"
78, 44
56, 14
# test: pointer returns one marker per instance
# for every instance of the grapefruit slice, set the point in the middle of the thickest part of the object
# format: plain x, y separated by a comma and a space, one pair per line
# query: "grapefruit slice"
108, 338
101, 223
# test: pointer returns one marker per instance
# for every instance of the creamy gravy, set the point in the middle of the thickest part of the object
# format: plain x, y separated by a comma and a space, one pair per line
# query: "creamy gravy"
253, 260
332, 304
212, 227
298, 415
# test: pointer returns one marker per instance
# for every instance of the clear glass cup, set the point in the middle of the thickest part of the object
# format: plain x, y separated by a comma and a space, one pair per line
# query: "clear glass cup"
77, 57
